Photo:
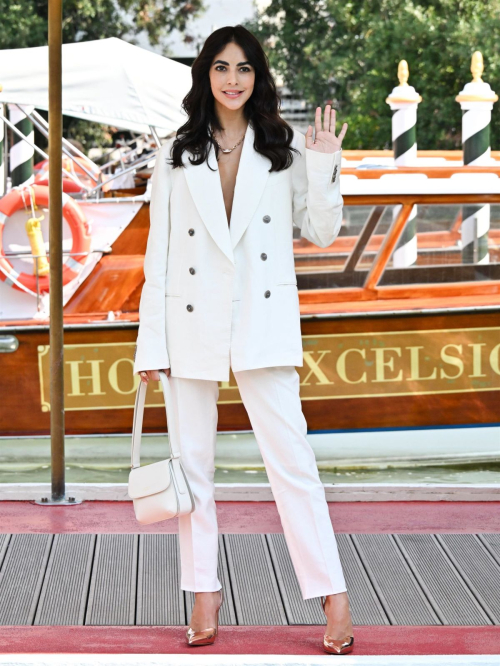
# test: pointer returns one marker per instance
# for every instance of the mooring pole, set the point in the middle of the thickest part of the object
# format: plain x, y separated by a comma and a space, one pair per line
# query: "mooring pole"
55, 249
476, 99
404, 101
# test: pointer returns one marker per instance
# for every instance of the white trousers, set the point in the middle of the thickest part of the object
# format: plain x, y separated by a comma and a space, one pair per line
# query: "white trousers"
271, 398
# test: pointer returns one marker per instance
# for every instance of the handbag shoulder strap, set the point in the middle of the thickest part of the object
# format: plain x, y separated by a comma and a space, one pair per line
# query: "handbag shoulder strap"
140, 400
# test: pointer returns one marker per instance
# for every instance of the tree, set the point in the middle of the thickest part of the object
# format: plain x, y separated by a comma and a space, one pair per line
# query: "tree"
349, 51
25, 24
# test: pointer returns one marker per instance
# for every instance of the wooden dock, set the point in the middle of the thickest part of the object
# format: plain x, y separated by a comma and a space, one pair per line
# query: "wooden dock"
422, 577
133, 579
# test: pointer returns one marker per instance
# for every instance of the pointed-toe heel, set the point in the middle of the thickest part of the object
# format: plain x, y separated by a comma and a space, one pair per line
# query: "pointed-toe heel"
337, 645
205, 636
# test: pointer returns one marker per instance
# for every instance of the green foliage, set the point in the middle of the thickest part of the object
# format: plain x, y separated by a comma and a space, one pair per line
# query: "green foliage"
25, 24
349, 51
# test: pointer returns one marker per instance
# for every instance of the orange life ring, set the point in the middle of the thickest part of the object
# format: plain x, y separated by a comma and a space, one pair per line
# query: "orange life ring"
72, 213
68, 185
42, 174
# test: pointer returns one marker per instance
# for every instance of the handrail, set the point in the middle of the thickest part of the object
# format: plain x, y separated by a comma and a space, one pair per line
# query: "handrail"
446, 154
121, 173
36, 148
441, 171
35, 119
395, 199
27, 255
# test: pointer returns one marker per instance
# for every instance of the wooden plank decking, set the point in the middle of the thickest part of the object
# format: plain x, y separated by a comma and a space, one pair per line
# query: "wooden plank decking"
133, 579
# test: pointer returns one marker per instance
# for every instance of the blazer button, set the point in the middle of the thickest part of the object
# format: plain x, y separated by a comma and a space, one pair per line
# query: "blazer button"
267, 293
191, 232
263, 256
267, 218
192, 271
189, 308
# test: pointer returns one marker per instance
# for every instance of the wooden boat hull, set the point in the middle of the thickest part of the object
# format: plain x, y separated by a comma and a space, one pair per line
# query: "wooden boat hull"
359, 372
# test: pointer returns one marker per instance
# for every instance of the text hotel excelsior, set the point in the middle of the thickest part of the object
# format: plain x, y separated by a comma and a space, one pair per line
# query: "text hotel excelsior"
344, 365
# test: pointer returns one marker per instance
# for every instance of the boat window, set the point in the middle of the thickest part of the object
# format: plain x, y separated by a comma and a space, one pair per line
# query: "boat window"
375, 232
335, 266
443, 243
440, 243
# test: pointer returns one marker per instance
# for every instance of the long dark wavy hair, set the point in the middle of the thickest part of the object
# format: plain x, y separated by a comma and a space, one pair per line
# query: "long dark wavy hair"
273, 135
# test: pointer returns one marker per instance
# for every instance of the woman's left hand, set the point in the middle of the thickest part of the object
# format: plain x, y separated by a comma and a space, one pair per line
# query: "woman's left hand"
325, 140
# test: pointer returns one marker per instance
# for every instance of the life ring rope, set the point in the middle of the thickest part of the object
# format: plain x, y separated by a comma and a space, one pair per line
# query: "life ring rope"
15, 200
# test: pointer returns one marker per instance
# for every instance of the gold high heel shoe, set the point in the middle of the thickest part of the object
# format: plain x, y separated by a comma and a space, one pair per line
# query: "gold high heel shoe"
205, 636
336, 645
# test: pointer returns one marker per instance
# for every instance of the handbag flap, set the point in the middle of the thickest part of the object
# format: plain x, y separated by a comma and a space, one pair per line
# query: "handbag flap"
149, 479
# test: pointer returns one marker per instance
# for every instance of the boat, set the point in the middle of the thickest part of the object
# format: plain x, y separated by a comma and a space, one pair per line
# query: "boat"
401, 330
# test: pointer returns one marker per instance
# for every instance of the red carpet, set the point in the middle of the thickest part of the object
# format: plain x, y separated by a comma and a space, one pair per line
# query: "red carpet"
257, 517
298, 640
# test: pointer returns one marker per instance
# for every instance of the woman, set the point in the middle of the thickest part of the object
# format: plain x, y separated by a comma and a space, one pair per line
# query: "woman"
221, 292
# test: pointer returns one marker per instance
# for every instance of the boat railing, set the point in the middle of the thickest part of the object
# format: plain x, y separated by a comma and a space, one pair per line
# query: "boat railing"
73, 153
26, 254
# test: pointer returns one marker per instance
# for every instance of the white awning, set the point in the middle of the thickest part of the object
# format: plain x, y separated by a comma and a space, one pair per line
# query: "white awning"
107, 80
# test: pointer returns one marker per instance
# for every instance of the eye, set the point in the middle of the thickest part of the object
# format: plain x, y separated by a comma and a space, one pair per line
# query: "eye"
217, 67
245, 69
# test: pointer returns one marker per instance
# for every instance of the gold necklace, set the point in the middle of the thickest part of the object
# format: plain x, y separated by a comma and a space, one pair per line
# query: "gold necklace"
227, 150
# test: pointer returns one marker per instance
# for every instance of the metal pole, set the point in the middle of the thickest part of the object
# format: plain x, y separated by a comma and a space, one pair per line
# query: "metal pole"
56, 256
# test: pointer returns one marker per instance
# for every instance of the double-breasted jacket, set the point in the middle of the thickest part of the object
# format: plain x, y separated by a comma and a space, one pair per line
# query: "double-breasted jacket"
216, 295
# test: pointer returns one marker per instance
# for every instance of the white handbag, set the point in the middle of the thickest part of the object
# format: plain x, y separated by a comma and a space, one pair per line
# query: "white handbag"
160, 490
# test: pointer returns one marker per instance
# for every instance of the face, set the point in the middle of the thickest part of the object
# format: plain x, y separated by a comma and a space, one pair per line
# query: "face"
232, 77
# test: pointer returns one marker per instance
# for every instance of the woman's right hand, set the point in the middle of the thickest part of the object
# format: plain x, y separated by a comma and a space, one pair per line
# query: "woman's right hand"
154, 375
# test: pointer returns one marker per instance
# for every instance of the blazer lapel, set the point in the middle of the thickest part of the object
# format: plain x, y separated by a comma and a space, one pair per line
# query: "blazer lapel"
251, 179
206, 190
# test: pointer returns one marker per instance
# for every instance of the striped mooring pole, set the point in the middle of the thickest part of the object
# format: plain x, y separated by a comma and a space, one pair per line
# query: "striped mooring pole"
476, 100
404, 101
21, 155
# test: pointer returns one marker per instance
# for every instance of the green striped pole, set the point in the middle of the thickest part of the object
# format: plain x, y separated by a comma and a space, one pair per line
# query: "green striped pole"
476, 101
404, 101
406, 250
3, 175
21, 154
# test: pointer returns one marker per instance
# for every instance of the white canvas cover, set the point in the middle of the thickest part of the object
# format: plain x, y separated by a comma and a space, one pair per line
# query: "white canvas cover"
106, 80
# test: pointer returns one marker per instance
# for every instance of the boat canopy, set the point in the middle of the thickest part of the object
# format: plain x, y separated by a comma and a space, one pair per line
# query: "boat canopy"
107, 80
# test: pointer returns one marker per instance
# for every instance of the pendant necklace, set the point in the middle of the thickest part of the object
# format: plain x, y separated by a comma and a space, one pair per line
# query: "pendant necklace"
227, 150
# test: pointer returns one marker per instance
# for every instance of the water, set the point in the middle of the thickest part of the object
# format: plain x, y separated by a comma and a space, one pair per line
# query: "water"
106, 460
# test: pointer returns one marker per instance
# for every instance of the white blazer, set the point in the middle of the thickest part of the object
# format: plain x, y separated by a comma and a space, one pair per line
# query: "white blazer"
219, 296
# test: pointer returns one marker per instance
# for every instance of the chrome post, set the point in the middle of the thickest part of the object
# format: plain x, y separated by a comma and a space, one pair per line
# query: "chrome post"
35, 257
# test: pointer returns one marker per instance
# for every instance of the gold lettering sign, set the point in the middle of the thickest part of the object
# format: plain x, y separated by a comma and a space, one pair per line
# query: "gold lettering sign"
343, 365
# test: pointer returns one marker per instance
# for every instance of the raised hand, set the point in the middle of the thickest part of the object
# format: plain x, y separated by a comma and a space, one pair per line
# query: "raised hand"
325, 140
